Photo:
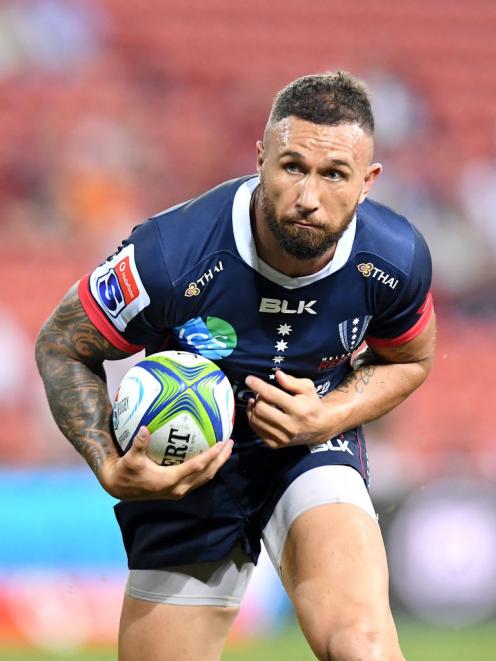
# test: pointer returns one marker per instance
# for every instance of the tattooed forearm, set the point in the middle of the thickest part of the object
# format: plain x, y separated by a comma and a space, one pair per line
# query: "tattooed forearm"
80, 406
70, 354
357, 380
379, 380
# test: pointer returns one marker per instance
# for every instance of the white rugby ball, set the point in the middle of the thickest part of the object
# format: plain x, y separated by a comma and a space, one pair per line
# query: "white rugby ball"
185, 401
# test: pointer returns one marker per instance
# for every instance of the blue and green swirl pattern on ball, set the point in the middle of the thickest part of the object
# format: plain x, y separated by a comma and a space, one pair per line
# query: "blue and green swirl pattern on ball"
185, 389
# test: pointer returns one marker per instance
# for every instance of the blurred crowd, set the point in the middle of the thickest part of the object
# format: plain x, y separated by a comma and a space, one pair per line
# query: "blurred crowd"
113, 110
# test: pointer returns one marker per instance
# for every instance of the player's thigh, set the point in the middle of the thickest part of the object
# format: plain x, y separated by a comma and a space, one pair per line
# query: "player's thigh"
167, 632
182, 612
334, 569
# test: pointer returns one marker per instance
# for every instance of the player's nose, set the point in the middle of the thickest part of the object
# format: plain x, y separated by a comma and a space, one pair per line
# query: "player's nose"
309, 197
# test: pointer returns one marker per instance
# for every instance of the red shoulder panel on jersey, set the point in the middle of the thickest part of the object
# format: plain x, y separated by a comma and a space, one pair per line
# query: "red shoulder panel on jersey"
425, 311
101, 322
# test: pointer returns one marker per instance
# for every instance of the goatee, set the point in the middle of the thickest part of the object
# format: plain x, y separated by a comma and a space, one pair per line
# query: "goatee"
297, 242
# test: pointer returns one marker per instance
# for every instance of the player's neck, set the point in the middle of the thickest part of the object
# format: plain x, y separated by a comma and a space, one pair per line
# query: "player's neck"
269, 250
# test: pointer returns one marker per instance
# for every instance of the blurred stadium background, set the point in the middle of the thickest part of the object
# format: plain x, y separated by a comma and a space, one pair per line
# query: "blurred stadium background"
112, 110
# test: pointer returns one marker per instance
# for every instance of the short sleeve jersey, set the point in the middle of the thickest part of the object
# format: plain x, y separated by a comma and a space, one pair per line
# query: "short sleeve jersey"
190, 279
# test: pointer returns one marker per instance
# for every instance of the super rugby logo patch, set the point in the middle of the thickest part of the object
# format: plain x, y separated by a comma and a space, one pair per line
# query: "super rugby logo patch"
117, 288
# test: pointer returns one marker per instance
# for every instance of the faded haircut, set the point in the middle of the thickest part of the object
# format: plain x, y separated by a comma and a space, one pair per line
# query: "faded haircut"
325, 98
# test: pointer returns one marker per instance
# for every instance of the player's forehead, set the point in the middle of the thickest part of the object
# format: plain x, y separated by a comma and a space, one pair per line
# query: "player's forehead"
292, 135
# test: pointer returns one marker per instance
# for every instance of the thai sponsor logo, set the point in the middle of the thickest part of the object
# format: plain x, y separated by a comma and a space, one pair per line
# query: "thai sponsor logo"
368, 270
194, 288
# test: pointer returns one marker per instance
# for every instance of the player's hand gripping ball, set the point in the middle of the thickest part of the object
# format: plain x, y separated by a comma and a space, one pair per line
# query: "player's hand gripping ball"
184, 399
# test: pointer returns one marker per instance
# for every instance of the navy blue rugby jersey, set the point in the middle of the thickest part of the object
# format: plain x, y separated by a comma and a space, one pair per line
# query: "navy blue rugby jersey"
190, 279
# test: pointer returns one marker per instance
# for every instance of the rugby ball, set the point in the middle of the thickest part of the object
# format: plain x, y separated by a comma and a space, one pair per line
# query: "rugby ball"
185, 401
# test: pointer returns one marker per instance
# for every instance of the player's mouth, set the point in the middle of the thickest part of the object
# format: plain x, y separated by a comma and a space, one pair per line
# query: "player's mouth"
305, 225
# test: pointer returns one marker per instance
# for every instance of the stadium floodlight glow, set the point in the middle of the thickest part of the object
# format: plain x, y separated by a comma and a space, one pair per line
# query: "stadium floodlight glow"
442, 552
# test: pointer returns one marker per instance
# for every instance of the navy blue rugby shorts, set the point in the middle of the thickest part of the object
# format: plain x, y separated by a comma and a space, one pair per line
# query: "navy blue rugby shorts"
231, 509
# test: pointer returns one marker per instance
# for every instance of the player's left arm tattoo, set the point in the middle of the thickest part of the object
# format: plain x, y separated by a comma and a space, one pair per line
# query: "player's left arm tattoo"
69, 354
363, 369
357, 379
380, 379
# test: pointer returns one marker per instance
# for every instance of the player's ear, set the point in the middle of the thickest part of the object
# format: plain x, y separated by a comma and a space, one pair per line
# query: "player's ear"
373, 171
260, 155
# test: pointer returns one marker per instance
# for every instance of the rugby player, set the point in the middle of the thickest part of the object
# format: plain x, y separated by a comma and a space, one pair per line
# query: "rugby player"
279, 277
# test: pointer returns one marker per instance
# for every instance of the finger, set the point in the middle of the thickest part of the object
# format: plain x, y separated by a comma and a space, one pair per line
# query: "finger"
268, 430
180, 479
226, 451
199, 477
274, 444
220, 460
269, 393
269, 414
271, 436
203, 460
293, 384
141, 441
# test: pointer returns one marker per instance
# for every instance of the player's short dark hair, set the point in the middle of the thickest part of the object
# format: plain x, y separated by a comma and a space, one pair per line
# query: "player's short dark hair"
325, 98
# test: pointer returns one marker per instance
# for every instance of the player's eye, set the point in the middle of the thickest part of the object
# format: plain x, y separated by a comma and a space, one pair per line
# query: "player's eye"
334, 175
292, 168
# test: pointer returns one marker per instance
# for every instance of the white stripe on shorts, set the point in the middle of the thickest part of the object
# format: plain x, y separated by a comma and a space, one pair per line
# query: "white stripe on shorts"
318, 486
220, 583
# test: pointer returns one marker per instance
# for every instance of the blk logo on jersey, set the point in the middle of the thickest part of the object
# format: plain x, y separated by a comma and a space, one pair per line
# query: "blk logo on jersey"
117, 288
338, 444
352, 331
276, 305
368, 270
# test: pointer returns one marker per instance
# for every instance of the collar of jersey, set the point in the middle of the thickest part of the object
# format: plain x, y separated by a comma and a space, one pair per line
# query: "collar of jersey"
246, 245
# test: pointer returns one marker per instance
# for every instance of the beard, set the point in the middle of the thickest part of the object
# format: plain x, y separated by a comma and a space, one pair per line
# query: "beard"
301, 244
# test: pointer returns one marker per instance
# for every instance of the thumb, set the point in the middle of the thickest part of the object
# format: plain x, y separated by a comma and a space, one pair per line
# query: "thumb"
293, 384
141, 440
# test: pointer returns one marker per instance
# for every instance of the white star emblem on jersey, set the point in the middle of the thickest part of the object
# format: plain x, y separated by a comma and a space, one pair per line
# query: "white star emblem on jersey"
281, 345
284, 329
278, 359
355, 321
272, 377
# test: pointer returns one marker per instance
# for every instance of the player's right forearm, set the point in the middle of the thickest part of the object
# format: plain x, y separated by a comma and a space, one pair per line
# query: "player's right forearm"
79, 403
70, 352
